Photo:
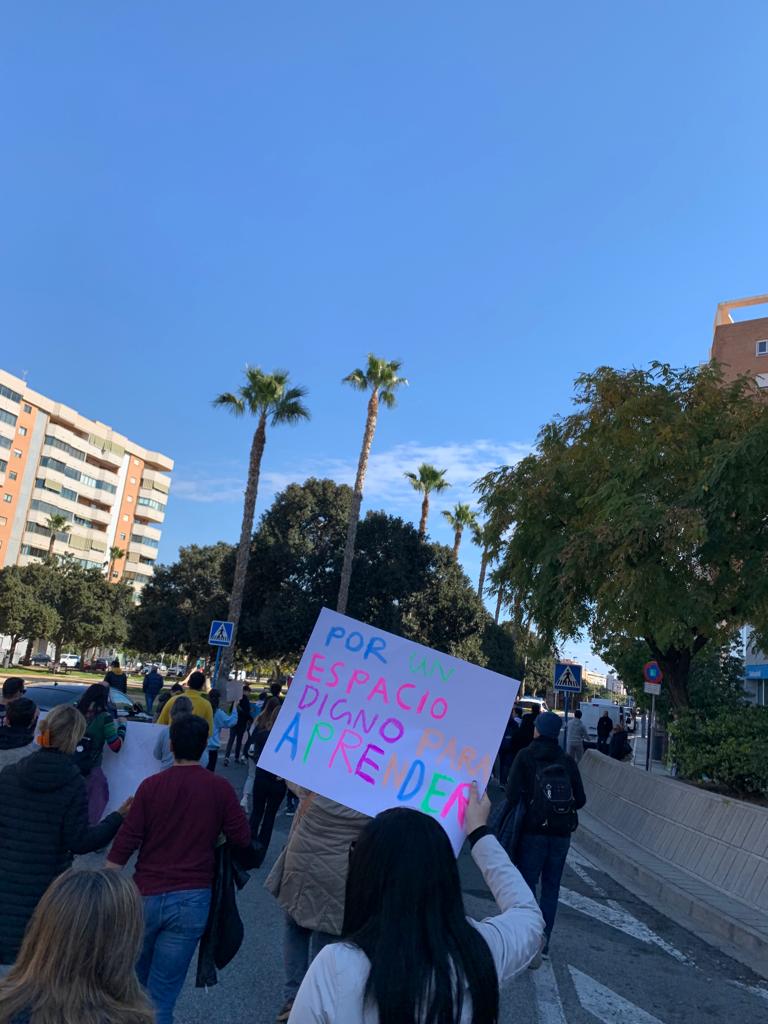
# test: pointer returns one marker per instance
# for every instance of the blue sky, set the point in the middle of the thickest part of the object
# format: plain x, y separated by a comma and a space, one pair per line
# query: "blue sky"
501, 195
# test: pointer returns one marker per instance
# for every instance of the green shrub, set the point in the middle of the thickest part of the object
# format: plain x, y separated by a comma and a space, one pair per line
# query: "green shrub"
727, 747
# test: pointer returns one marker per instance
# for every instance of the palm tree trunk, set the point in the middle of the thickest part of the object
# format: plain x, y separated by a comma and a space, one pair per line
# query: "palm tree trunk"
457, 542
357, 500
483, 570
51, 542
499, 600
424, 514
243, 547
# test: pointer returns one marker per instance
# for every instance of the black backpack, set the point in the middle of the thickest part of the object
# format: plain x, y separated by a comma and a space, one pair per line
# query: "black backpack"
86, 755
552, 808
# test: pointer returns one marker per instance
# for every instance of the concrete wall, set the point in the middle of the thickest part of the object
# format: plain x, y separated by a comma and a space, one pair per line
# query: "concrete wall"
721, 841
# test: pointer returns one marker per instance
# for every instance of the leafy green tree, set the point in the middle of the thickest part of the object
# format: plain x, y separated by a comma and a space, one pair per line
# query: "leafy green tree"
181, 600
641, 516
24, 609
90, 610
271, 400
426, 481
458, 518
381, 379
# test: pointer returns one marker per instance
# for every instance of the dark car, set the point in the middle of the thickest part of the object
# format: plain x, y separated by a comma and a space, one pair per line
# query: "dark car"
41, 659
49, 695
99, 665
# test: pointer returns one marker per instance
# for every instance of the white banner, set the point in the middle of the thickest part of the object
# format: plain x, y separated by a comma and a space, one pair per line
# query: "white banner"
374, 721
133, 763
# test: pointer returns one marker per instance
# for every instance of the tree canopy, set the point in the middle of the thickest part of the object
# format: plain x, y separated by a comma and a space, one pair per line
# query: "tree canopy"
641, 516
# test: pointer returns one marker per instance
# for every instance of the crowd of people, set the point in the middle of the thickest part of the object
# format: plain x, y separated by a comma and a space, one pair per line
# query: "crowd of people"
369, 935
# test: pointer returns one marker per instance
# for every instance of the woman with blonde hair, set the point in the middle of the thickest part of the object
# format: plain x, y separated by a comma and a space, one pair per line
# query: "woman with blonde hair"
76, 964
268, 790
44, 822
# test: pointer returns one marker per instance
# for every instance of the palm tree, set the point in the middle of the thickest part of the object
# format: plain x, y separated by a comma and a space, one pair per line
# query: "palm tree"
115, 555
381, 379
269, 398
57, 523
461, 516
483, 536
427, 480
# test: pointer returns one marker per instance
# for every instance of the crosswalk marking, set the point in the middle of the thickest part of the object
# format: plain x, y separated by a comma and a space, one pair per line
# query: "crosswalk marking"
607, 1006
549, 1009
613, 914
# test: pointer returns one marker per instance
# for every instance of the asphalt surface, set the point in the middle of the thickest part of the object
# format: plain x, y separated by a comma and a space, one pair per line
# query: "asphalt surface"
613, 959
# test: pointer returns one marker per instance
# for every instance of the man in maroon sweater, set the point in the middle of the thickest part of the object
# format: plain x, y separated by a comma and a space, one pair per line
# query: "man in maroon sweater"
176, 818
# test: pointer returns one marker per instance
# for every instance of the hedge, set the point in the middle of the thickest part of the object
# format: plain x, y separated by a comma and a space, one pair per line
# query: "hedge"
727, 747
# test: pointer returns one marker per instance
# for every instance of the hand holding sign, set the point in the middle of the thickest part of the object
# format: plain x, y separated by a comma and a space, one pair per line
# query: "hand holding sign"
375, 721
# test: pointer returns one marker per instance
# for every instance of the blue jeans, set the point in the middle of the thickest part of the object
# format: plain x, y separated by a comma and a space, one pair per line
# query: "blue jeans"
173, 925
300, 947
543, 857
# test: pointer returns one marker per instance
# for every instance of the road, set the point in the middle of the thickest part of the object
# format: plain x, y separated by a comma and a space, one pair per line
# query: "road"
613, 959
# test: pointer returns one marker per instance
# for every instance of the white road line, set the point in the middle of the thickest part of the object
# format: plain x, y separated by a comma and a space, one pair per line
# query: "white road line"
574, 857
585, 876
606, 1005
755, 990
617, 917
549, 1009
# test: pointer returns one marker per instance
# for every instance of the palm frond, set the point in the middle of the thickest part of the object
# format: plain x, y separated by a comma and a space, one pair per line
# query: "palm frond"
231, 402
357, 379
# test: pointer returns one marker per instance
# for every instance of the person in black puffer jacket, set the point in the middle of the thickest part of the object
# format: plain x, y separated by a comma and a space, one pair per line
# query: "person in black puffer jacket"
43, 823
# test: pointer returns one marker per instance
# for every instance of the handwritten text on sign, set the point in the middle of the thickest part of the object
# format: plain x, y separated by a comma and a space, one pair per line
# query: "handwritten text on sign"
375, 721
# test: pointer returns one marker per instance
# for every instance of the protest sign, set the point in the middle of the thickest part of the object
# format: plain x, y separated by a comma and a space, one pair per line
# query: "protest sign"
373, 721
133, 763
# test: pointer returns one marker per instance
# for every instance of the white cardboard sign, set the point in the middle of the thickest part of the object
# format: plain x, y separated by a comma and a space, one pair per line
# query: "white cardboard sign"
134, 762
374, 721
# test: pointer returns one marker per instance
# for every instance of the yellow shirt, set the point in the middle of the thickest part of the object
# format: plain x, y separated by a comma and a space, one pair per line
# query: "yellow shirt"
200, 706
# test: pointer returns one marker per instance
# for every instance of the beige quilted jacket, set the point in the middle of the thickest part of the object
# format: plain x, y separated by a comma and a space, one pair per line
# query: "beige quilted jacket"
310, 875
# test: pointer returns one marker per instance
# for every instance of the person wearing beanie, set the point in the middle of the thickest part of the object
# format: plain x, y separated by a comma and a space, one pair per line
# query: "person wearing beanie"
547, 782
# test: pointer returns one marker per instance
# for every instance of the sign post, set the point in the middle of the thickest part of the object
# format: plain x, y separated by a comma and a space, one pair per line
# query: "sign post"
220, 636
653, 676
567, 681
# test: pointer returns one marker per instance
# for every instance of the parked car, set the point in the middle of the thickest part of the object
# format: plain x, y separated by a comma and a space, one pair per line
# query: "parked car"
99, 665
532, 704
49, 695
70, 660
41, 659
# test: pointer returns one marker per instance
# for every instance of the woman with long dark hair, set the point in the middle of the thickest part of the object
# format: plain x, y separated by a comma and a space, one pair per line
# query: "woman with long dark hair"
100, 730
408, 954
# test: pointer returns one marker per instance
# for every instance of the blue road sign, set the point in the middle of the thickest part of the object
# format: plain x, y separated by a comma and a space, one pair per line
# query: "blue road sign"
567, 677
221, 633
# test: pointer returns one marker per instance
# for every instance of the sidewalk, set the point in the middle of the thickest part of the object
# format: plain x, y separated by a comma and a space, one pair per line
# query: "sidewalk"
639, 754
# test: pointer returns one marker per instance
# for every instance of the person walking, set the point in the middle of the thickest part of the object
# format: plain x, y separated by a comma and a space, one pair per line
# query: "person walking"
618, 747
152, 685
221, 720
547, 781
77, 961
174, 823
268, 790
577, 737
19, 731
13, 689
237, 734
201, 706
164, 696
44, 822
162, 750
101, 730
116, 677
408, 950
308, 880
604, 730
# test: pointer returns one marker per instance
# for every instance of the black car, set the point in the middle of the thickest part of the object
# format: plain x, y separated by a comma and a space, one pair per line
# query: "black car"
49, 695
41, 659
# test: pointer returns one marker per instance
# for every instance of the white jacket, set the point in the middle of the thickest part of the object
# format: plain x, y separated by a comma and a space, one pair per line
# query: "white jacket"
333, 988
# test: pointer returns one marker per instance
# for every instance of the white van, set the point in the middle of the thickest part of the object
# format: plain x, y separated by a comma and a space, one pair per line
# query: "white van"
592, 710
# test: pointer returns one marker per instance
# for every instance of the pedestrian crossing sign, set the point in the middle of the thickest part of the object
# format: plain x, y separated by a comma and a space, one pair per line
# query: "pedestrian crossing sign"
221, 633
568, 677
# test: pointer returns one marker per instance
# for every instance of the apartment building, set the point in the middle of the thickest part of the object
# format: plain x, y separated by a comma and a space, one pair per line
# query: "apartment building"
741, 346
53, 461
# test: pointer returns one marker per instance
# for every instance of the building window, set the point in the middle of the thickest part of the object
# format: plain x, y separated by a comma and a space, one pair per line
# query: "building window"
3, 521
8, 417
8, 497
17, 453
13, 475
122, 536
23, 431
136, 462
129, 498
27, 408
125, 519
133, 479
115, 575
761, 348
12, 396
762, 380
